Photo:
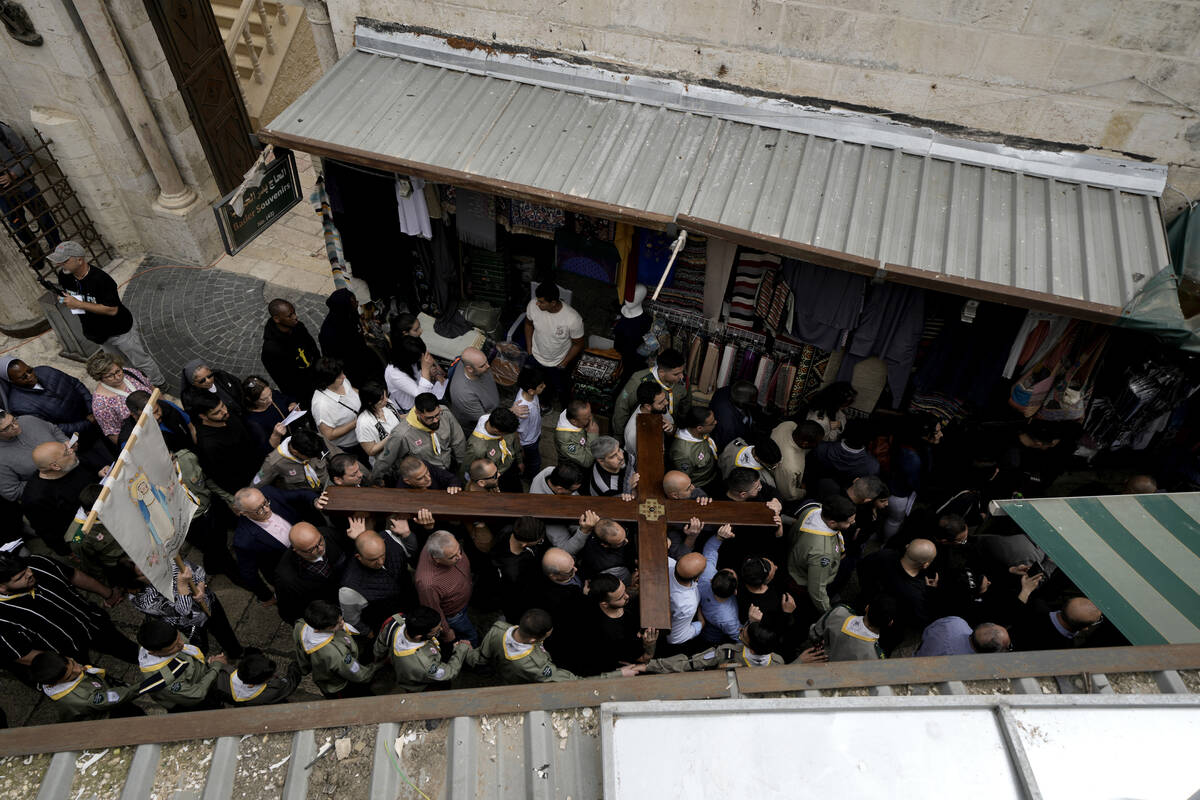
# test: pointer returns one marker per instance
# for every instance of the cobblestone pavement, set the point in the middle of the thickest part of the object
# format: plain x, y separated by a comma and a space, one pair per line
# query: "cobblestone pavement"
213, 314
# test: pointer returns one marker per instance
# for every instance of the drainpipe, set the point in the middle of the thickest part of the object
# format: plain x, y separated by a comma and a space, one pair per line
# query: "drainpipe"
322, 30
173, 193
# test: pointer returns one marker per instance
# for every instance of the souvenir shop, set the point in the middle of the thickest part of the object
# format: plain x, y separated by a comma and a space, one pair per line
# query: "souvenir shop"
967, 280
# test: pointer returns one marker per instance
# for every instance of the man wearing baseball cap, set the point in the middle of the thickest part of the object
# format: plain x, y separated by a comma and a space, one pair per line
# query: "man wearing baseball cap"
92, 293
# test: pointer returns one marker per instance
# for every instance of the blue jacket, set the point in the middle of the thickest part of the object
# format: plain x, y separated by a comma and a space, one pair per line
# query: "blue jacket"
62, 400
255, 549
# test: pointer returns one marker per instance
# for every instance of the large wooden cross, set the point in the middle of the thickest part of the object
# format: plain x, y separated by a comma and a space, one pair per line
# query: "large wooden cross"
650, 513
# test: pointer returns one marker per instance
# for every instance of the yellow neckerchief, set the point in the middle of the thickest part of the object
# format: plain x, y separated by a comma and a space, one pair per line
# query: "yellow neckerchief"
688, 436
481, 432
403, 646
823, 530
60, 690
511, 641
857, 627
746, 659
411, 419
564, 424
4, 598
670, 394
148, 662
310, 474
744, 459
243, 691
313, 640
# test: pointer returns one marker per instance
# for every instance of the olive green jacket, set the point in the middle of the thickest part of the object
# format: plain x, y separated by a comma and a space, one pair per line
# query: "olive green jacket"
90, 696
680, 401
723, 655
417, 667
179, 681
331, 657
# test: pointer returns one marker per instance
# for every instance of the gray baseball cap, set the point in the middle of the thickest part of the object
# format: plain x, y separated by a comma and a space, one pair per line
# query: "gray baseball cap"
66, 250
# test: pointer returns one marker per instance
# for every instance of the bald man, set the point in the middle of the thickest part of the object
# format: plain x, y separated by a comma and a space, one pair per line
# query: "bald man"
607, 550
51, 496
1040, 628
473, 391
310, 570
907, 578
376, 583
678, 486
686, 618
1140, 484
265, 519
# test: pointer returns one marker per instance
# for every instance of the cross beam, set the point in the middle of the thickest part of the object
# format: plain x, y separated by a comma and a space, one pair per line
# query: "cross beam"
651, 512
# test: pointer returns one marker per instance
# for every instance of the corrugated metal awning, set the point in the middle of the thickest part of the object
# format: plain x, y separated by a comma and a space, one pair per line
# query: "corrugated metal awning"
1069, 232
1137, 557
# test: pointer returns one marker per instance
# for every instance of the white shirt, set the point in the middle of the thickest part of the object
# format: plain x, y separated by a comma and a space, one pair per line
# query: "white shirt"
552, 333
333, 409
631, 433
367, 431
530, 428
403, 389
684, 602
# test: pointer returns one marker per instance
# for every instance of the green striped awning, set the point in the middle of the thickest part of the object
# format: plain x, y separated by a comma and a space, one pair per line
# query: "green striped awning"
1137, 557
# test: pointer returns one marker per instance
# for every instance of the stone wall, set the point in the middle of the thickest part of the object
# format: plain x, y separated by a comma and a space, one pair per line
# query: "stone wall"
1054, 70
60, 89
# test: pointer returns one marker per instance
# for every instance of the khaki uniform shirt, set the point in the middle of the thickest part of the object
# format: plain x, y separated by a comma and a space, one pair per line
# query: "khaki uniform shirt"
533, 665
444, 447
90, 696
723, 655
417, 667
696, 458
789, 475
816, 554
573, 444
846, 636
679, 403
737, 454
332, 658
284, 472
504, 451
179, 681
234, 692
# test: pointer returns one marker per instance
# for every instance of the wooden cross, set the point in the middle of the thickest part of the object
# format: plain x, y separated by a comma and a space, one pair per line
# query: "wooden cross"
650, 512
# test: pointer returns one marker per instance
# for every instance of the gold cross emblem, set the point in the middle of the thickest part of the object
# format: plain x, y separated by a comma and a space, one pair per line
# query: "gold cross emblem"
651, 509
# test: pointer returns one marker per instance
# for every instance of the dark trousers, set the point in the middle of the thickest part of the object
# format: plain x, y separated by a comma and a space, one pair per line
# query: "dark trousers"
22, 198
510, 481
533, 459
218, 625
112, 642
351, 690
555, 376
210, 533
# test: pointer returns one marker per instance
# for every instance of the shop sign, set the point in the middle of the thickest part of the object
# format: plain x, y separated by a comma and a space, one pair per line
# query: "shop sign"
274, 196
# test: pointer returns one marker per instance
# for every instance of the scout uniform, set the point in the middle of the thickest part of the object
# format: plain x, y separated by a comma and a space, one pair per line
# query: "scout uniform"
572, 443
504, 450
90, 696
283, 470
97, 550
739, 453
723, 655
846, 636
442, 447
815, 555
236, 692
179, 681
331, 657
417, 664
695, 457
516, 662
679, 399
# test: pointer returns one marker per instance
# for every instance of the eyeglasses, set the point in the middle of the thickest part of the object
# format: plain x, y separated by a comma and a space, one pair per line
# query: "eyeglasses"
266, 505
311, 551
203, 378
115, 372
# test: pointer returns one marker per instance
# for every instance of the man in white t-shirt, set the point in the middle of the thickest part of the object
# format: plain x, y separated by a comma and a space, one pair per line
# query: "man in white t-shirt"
554, 333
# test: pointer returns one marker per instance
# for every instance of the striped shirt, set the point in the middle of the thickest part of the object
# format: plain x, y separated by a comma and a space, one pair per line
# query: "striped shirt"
50, 617
179, 610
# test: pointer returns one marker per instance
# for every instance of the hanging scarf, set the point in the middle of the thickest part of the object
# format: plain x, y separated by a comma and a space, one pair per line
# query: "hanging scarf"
411, 419
333, 238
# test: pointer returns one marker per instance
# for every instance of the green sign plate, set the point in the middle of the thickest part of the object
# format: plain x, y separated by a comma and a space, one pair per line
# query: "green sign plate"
270, 200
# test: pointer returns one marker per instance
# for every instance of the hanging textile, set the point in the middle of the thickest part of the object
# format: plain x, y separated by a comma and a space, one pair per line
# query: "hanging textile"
476, 219
413, 211
582, 255
890, 327
827, 302
1058, 386
708, 373
333, 239
532, 219
779, 313
623, 241
727, 359
719, 256
750, 273
964, 362
1038, 333
1134, 410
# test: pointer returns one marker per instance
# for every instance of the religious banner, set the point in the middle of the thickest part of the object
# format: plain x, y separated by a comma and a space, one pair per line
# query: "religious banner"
145, 504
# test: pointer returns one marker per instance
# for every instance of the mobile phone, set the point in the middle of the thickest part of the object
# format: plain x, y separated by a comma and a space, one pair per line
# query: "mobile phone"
1034, 569
74, 440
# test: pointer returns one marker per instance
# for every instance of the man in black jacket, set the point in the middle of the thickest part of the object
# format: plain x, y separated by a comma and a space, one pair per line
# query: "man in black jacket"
310, 570
289, 352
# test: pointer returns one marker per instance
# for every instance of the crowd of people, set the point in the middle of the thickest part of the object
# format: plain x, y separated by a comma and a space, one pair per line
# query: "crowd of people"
881, 542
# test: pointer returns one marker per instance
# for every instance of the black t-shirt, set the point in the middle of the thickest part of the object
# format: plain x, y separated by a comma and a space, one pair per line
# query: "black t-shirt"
98, 287
50, 505
604, 642
228, 454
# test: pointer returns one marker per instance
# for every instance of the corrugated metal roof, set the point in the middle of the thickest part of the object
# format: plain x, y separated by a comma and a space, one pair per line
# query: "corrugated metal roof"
1137, 557
1068, 231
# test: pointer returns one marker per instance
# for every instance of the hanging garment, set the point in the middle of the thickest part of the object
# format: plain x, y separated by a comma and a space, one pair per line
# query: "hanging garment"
751, 269
783, 387
708, 373
413, 211
726, 369
965, 360
532, 219
1038, 333
476, 219
694, 359
333, 238
719, 256
890, 326
827, 302
780, 311
363, 203
761, 376
766, 292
